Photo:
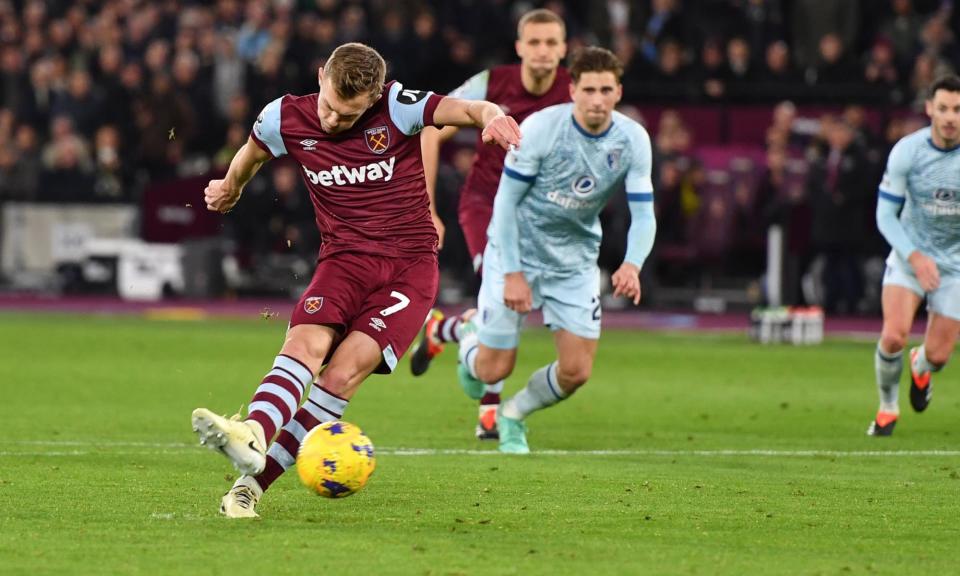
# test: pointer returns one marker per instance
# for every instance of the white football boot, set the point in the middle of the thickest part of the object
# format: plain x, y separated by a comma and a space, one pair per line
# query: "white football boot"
242, 442
241, 500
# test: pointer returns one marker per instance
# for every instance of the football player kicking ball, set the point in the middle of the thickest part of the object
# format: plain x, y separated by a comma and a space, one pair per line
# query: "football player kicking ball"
922, 184
536, 82
545, 238
357, 142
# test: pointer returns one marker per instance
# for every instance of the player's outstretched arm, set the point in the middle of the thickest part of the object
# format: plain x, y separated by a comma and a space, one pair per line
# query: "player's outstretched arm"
498, 128
222, 195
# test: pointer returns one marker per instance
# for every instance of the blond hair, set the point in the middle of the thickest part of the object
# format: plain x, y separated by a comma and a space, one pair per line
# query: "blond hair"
541, 16
356, 69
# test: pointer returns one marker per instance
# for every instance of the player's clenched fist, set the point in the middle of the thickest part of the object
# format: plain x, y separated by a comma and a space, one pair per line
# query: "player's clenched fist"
626, 282
219, 198
503, 131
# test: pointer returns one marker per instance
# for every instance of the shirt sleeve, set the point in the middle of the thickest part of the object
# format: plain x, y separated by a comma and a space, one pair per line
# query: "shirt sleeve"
639, 185
523, 163
638, 181
893, 187
505, 228
475, 88
893, 194
411, 110
266, 130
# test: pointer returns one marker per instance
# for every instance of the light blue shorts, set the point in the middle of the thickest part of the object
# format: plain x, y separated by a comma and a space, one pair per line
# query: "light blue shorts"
570, 303
944, 301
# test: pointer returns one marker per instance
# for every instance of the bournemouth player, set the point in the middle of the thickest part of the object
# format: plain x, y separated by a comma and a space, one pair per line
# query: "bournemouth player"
520, 89
357, 142
918, 212
545, 239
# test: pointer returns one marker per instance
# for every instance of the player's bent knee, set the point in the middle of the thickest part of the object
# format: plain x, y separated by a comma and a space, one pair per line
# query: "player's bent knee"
893, 340
573, 378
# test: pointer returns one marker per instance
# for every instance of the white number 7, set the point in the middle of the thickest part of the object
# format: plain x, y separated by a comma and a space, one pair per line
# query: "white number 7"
403, 303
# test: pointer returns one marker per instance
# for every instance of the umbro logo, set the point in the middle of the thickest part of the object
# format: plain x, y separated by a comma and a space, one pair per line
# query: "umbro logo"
309, 144
377, 324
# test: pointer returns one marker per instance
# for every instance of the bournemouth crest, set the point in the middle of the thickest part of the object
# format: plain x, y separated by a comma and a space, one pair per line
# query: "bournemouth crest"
378, 139
312, 304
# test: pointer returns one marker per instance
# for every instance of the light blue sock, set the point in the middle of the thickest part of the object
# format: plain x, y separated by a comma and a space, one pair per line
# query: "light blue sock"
542, 390
888, 368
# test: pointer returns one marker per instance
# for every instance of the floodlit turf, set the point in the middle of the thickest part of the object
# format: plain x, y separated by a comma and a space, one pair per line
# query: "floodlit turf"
683, 455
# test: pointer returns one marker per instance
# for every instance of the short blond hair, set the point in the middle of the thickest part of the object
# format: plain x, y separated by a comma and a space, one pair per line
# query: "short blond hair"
541, 16
356, 69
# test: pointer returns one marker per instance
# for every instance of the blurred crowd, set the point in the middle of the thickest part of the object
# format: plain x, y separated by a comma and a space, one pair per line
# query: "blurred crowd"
100, 98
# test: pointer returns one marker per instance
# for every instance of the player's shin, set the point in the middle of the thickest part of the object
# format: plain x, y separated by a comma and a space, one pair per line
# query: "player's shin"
279, 394
542, 390
450, 329
888, 367
321, 406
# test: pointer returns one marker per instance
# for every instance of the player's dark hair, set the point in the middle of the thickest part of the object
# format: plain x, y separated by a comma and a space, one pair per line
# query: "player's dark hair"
541, 16
950, 83
595, 59
356, 69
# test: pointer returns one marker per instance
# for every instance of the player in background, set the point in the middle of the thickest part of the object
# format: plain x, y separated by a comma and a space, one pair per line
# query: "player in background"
544, 240
918, 213
357, 142
520, 89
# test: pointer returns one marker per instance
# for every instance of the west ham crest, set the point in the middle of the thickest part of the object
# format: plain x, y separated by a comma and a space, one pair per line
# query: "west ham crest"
378, 139
312, 304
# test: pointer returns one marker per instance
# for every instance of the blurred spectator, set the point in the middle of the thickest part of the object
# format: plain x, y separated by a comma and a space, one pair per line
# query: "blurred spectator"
166, 125
20, 166
14, 85
664, 23
838, 187
881, 70
67, 174
833, 65
779, 75
902, 29
236, 137
109, 183
712, 72
254, 35
812, 20
79, 103
926, 68
612, 23
229, 74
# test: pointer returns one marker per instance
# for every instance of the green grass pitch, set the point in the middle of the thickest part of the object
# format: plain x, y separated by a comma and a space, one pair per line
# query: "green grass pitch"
684, 454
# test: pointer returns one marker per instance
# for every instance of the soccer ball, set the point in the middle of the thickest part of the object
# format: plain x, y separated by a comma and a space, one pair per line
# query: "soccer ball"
335, 459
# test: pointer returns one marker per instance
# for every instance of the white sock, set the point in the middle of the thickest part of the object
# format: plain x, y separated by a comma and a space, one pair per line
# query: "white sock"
541, 391
493, 388
469, 346
888, 368
921, 364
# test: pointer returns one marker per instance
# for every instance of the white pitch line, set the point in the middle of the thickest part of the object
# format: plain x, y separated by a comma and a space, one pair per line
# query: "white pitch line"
84, 448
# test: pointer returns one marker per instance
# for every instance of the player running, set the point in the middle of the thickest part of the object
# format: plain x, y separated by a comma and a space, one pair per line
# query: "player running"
545, 239
918, 212
521, 89
357, 142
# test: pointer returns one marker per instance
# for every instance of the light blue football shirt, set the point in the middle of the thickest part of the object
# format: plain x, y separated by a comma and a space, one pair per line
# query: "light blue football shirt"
572, 174
925, 180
